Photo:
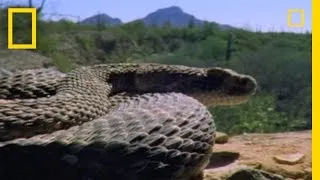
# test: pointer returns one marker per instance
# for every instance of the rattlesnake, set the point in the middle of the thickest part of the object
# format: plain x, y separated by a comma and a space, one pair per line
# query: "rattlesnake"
113, 121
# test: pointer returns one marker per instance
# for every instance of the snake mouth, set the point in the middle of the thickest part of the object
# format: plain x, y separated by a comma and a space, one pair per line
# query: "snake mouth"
212, 99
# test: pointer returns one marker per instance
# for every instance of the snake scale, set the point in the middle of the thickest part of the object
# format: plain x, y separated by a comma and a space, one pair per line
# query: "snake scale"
113, 121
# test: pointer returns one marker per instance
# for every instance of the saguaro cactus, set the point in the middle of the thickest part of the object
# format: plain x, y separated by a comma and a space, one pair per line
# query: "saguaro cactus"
229, 47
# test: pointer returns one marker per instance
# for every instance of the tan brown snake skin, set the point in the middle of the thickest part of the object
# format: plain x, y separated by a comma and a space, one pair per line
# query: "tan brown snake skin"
113, 121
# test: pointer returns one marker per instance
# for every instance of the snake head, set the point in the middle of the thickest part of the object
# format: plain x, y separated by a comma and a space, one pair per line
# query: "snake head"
225, 87
211, 86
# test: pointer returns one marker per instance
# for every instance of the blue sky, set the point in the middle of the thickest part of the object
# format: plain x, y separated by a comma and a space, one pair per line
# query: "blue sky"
254, 14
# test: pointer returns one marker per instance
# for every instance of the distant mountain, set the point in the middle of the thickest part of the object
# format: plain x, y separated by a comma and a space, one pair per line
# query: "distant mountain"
174, 15
177, 18
102, 18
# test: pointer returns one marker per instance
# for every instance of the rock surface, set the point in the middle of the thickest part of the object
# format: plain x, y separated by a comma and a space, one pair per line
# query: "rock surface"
289, 159
253, 174
221, 138
252, 156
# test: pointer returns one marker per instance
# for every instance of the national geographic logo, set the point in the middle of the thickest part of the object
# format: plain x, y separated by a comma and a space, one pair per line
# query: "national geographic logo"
300, 14
33, 12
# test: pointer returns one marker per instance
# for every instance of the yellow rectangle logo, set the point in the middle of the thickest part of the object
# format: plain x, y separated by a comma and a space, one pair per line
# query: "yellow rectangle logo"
299, 24
33, 12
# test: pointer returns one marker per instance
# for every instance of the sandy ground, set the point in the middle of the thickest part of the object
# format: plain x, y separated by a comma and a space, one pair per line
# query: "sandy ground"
259, 150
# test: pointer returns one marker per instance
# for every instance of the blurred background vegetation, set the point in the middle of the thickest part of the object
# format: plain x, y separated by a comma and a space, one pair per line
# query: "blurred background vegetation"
280, 61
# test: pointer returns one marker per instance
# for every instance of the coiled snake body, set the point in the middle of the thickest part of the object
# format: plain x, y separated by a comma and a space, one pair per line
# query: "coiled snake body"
113, 121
